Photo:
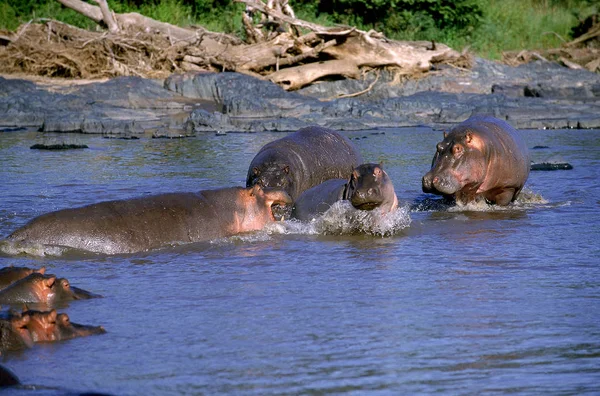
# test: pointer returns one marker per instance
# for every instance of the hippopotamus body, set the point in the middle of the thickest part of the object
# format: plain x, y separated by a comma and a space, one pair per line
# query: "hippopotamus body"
303, 160
49, 326
10, 274
481, 158
14, 334
369, 187
139, 224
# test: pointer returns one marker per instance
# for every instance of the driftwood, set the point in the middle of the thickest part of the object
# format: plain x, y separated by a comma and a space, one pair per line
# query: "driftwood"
279, 47
581, 53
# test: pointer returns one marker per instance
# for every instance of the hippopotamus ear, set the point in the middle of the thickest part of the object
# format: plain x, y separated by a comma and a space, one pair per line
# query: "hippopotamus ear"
42, 270
255, 171
473, 141
445, 134
255, 189
286, 169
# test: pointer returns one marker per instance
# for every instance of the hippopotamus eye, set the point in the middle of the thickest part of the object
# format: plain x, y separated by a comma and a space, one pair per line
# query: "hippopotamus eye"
440, 147
457, 149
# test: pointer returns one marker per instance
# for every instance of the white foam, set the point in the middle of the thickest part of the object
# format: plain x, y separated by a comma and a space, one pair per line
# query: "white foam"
14, 248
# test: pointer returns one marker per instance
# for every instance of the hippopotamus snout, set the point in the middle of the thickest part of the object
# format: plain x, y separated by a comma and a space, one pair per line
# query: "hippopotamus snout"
366, 199
439, 184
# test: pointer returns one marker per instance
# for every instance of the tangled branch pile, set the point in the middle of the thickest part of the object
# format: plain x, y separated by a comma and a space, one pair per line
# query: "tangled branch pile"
581, 53
279, 47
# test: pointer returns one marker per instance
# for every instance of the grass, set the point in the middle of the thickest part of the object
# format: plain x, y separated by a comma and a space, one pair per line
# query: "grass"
505, 25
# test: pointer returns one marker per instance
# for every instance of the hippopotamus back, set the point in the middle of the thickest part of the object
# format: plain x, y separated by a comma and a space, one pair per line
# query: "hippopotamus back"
303, 159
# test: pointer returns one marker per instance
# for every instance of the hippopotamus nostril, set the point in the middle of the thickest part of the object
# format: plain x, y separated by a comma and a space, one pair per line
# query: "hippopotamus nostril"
436, 180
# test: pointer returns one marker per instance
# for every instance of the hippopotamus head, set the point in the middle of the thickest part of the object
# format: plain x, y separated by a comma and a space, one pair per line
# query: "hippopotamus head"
370, 187
65, 329
13, 331
11, 274
42, 325
271, 174
458, 166
263, 200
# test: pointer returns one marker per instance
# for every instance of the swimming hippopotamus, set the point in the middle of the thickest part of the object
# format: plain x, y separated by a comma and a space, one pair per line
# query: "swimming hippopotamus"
14, 334
481, 158
68, 329
139, 224
49, 326
303, 160
369, 187
10, 274
34, 288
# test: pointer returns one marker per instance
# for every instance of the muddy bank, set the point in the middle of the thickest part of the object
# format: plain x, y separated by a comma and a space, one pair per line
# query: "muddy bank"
535, 95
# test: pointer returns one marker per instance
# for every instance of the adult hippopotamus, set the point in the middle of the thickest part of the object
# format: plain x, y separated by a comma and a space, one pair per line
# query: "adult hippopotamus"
481, 158
14, 334
139, 224
49, 326
369, 187
303, 160
11, 274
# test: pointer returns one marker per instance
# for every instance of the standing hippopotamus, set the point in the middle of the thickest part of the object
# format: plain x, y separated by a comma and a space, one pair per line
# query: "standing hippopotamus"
303, 160
13, 331
369, 187
138, 224
481, 158
10, 274
49, 326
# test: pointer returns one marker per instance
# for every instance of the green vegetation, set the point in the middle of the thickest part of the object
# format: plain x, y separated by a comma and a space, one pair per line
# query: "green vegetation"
487, 27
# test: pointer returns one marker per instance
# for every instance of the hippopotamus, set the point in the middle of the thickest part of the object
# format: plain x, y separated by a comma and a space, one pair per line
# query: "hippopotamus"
302, 160
481, 158
34, 288
14, 334
10, 274
140, 224
49, 326
67, 329
368, 187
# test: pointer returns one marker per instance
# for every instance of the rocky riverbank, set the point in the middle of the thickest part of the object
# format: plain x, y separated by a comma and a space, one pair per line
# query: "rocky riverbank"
536, 95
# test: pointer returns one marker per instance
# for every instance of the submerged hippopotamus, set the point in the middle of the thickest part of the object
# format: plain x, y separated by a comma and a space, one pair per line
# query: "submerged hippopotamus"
481, 158
49, 326
42, 289
10, 274
303, 160
369, 187
14, 334
139, 224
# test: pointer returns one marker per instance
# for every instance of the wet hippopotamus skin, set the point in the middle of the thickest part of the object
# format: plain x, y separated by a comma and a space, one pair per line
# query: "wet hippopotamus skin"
481, 158
368, 187
14, 334
11, 274
43, 289
140, 224
50, 326
8, 378
303, 160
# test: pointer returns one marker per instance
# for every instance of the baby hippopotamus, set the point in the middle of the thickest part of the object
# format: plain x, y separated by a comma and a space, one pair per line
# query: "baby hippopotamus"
369, 187
481, 158
139, 224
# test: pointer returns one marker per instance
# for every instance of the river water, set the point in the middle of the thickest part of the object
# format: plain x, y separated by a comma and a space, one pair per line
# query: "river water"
459, 300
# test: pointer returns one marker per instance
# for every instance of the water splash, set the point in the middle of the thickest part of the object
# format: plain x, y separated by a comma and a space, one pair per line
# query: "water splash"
343, 219
14, 248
